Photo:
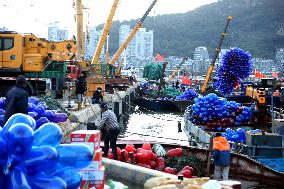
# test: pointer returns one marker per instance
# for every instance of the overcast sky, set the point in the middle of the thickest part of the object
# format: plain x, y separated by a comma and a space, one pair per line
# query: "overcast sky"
33, 16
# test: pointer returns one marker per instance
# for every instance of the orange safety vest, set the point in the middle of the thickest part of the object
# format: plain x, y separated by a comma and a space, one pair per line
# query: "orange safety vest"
220, 143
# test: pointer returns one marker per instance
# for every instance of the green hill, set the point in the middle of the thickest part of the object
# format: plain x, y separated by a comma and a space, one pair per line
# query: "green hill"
256, 27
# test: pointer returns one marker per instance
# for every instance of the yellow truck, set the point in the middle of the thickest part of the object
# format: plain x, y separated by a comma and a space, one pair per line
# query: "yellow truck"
44, 63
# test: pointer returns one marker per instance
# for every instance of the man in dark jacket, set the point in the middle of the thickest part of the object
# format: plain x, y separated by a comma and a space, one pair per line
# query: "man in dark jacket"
81, 87
17, 99
221, 156
97, 96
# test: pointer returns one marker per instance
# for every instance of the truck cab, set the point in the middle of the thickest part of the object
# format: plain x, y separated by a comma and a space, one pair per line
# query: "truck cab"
72, 71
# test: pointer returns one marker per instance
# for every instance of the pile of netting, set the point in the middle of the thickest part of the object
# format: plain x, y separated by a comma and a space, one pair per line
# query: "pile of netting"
153, 71
170, 92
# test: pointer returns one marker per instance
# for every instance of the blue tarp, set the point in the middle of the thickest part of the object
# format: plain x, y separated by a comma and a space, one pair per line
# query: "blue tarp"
274, 163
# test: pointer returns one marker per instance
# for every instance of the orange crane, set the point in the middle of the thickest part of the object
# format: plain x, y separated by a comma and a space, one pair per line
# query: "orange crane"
80, 35
217, 50
105, 33
132, 34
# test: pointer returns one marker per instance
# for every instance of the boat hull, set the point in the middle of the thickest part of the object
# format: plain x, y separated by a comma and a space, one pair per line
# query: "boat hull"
177, 105
162, 105
242, 167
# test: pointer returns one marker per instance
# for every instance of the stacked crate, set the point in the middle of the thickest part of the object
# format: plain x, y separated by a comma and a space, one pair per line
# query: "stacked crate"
93, 175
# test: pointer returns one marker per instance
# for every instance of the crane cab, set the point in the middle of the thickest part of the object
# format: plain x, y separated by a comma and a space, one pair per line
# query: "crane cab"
11, 51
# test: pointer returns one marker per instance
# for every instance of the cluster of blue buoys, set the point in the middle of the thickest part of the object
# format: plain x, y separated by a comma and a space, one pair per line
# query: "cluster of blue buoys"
239, 135
37, 110
188, 94
236, 65
216, 112
33, 158
235, 136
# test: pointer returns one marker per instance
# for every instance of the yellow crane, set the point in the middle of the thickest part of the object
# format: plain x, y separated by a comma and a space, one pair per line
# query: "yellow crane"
81, 62
80, 33
105, 33
217, 50
132, 34
118, 72
107, 53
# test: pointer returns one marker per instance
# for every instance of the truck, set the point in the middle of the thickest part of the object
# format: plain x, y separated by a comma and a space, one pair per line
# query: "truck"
44, 63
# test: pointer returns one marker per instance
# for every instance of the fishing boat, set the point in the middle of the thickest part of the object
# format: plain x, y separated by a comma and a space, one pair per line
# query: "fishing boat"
162, 104
171, 105
242, 167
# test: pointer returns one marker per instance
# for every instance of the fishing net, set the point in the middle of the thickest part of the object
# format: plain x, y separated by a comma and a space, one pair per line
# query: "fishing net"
188, 160
153, 71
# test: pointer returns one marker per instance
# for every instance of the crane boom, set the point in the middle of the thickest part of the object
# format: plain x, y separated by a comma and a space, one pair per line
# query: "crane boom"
217, 50
80, 34
105, 33
132, 33
177, 68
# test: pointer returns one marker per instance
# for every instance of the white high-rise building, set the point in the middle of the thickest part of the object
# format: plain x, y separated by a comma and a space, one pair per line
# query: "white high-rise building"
144, 43
3, 29
141, 45
55, 33
52, 31
124, 31
201, 53
62, 34
91, 43
149, 43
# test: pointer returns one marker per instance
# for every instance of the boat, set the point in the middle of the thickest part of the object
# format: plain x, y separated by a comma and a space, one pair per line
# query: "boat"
177, 105
162, 105
242, 167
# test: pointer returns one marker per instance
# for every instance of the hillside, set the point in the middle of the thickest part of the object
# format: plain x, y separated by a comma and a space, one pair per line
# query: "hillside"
256, 27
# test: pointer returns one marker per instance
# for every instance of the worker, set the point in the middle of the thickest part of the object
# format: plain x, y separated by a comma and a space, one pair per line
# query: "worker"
68, 91
97, 96
81, 87
110, 125
179, 127
177, 84
17, 99
221, 156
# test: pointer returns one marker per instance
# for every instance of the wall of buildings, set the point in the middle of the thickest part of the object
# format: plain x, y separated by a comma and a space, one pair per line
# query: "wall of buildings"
91, 43
56, 33
3, 29
201, 53
142, 45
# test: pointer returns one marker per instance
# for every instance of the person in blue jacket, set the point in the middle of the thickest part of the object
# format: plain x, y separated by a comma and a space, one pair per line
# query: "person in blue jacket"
17, 99
221, 156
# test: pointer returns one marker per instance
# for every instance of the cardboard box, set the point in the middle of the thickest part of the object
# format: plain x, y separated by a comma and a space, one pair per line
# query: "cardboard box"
93, 184
96, 163
90, 137
91, 178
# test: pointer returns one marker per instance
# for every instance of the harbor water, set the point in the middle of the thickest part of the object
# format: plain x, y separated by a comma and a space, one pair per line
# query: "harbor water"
160, 127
